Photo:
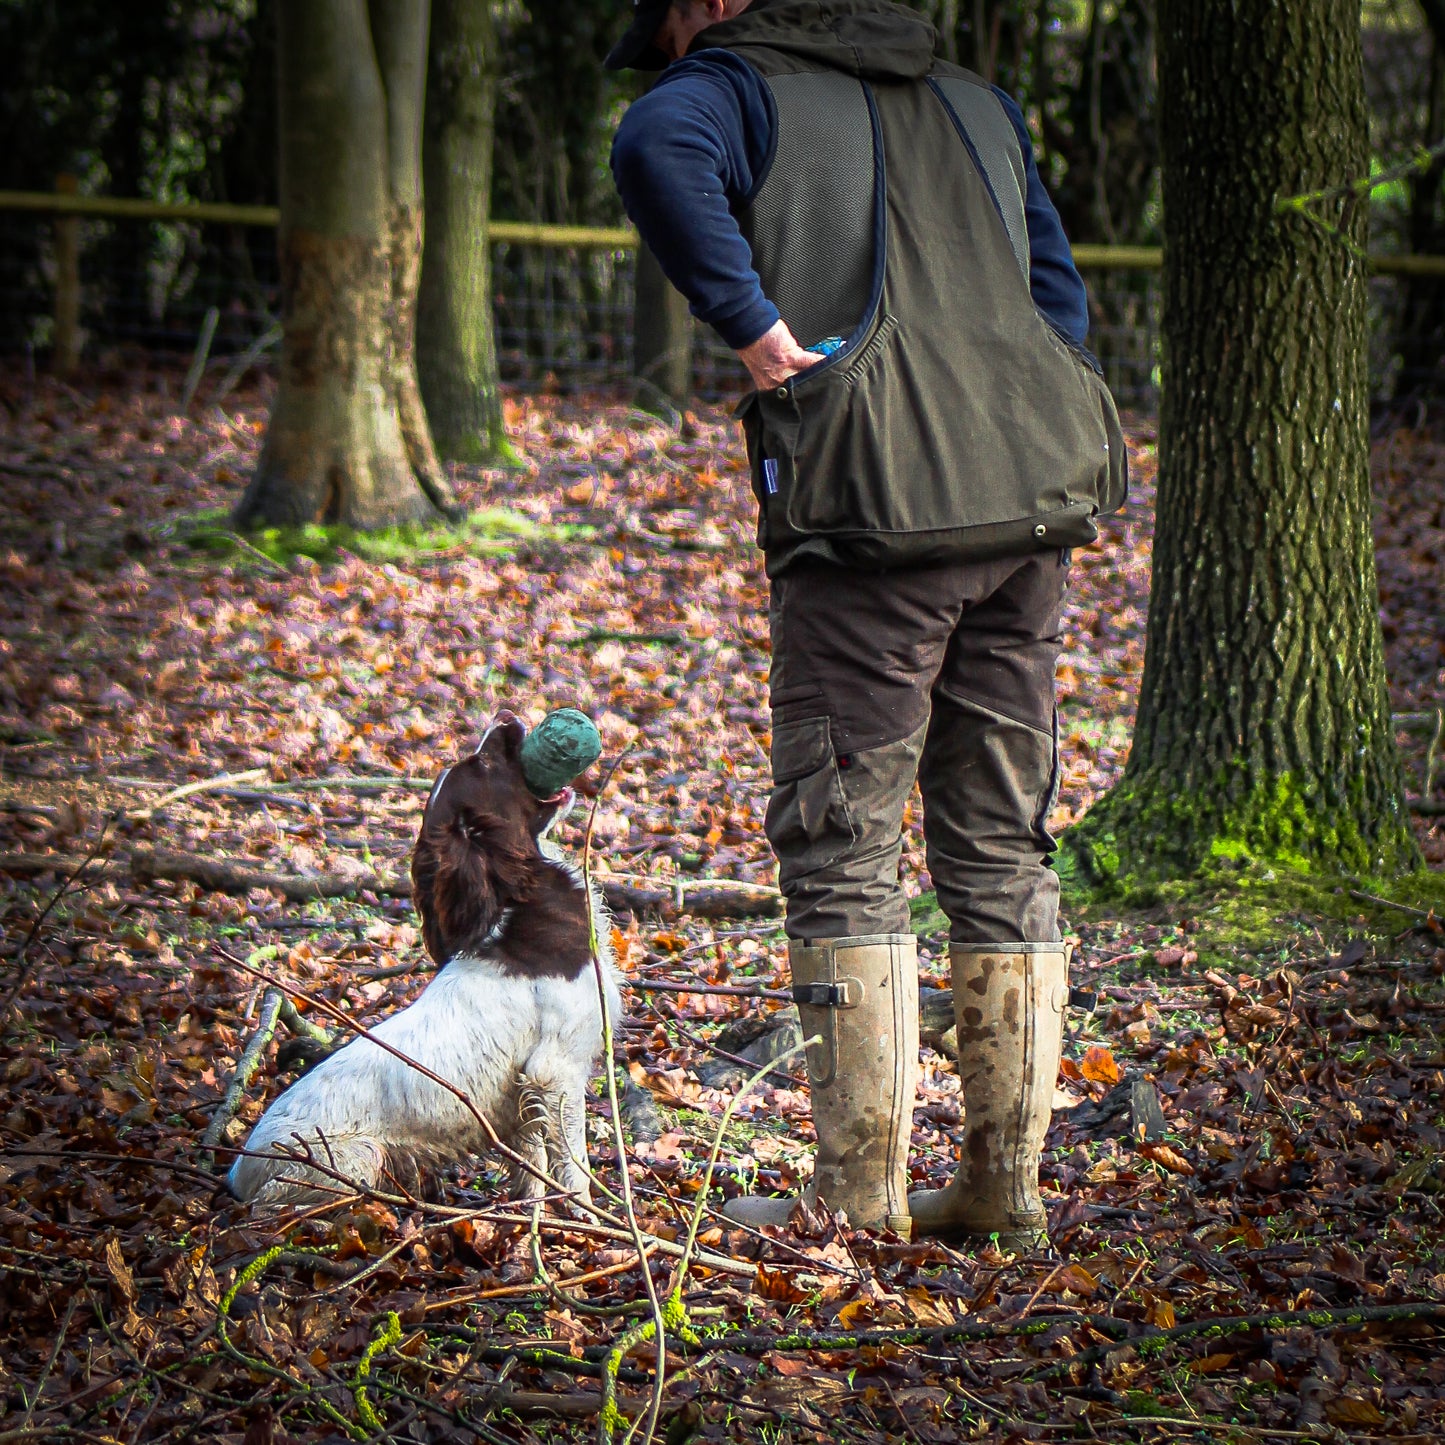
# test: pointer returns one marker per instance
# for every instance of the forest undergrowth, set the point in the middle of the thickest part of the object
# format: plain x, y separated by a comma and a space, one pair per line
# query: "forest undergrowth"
1246, 1170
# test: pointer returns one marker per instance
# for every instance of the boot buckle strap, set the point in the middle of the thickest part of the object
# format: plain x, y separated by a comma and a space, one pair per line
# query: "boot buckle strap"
845, 993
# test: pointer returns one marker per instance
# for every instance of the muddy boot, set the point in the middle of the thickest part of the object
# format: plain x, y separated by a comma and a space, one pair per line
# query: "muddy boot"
1008, 1003
860, 997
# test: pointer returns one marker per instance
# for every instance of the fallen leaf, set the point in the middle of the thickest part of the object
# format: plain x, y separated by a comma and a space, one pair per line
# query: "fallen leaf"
1347, 1410
1210, 1364
1166, 1156
1099, 1066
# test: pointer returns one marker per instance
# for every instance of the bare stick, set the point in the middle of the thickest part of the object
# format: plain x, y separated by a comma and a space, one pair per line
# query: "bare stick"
294, 1020
680, 1274
1433, 753
205, 785
198, 362
606, 1420
246, 1066
1389, 903
730, 990
40, 1384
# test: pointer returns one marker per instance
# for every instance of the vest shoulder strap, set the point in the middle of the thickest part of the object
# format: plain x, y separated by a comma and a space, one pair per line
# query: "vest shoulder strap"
986, 130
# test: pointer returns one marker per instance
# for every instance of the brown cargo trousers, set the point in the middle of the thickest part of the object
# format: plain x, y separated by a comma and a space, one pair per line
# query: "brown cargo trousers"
944, 674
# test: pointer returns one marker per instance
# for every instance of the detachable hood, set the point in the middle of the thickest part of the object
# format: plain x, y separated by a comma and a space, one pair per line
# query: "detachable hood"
872, 39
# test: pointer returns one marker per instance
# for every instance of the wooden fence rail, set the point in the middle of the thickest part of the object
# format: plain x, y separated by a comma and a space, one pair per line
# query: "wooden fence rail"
526, 233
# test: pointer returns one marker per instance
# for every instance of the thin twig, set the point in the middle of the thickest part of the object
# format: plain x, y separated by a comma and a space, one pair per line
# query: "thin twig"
607, 1414
1389, 903
1154, 1341
139, 1160
50, 1363
521, 1291
680, 1274
21, 965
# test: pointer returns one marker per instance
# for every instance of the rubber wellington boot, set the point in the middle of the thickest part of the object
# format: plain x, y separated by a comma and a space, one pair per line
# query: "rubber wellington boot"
1008, 1002
860, 997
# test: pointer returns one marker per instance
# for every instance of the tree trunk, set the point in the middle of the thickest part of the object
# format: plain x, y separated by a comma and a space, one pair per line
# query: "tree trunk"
347, 440
661, 338
1264, 724
456, 346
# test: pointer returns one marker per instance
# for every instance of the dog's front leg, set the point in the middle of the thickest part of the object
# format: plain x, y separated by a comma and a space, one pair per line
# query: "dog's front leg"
534, 1122
569, 1141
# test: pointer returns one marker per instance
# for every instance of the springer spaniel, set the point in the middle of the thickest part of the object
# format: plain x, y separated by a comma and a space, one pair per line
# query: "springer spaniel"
513, 1018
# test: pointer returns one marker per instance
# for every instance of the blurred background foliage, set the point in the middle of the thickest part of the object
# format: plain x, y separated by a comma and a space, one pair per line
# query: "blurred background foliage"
175, 100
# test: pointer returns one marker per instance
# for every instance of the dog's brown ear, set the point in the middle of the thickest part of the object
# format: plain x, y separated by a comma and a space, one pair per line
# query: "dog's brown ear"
452, 887
511, 857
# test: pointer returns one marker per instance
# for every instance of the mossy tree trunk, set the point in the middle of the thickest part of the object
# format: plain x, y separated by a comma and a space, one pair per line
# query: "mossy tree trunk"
456, 344
1264, 723
347, 439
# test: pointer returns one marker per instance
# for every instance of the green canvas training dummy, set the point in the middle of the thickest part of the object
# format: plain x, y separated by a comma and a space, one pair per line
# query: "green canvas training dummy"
557, 750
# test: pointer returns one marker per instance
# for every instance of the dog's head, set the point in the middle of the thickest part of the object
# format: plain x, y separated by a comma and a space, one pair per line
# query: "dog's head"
478, 850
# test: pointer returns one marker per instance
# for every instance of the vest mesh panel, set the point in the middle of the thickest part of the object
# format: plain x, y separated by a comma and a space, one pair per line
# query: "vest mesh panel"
996, 147
820, 271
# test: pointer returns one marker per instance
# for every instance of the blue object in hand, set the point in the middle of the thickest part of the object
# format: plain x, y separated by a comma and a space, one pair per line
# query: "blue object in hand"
827, 346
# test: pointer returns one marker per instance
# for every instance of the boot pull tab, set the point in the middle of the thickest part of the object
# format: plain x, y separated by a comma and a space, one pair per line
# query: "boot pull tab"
845, 993
842, 993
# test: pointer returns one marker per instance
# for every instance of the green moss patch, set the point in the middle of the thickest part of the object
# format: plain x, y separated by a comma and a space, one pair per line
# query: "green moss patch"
1248, 908
1256, 908
493, 531
1152, 831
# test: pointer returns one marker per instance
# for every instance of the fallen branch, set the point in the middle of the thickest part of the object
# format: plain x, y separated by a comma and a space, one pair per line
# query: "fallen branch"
134, 1160
1390, 903
248, 1063
227, 875
729, 990
188, 790
220, 875
704, 898
1156, 1342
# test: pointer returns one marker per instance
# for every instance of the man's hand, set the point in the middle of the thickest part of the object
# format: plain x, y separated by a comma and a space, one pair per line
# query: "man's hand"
775, 356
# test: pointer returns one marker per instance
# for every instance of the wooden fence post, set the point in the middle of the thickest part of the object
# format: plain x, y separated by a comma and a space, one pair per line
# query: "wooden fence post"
67, 338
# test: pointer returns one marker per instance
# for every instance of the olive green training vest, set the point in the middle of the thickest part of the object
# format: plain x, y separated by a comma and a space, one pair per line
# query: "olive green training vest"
954, 423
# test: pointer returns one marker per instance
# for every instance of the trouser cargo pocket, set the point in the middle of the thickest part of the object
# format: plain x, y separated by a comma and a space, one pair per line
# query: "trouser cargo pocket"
808, 818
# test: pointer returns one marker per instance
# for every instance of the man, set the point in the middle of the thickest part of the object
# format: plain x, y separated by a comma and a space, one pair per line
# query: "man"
865, 225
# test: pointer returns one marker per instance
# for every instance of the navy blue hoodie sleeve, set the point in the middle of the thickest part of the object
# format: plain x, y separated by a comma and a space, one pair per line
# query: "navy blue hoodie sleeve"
685, 155
1057, 287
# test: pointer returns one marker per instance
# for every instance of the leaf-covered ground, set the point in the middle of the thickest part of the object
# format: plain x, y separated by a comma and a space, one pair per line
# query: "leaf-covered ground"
1268, 1266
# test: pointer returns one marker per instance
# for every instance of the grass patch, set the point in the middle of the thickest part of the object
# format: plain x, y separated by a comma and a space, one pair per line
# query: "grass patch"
1247, 909
491, 532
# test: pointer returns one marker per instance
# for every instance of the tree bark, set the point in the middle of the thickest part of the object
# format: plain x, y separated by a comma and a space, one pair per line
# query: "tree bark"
456, 345
661, 338
1264, 728
347, 440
